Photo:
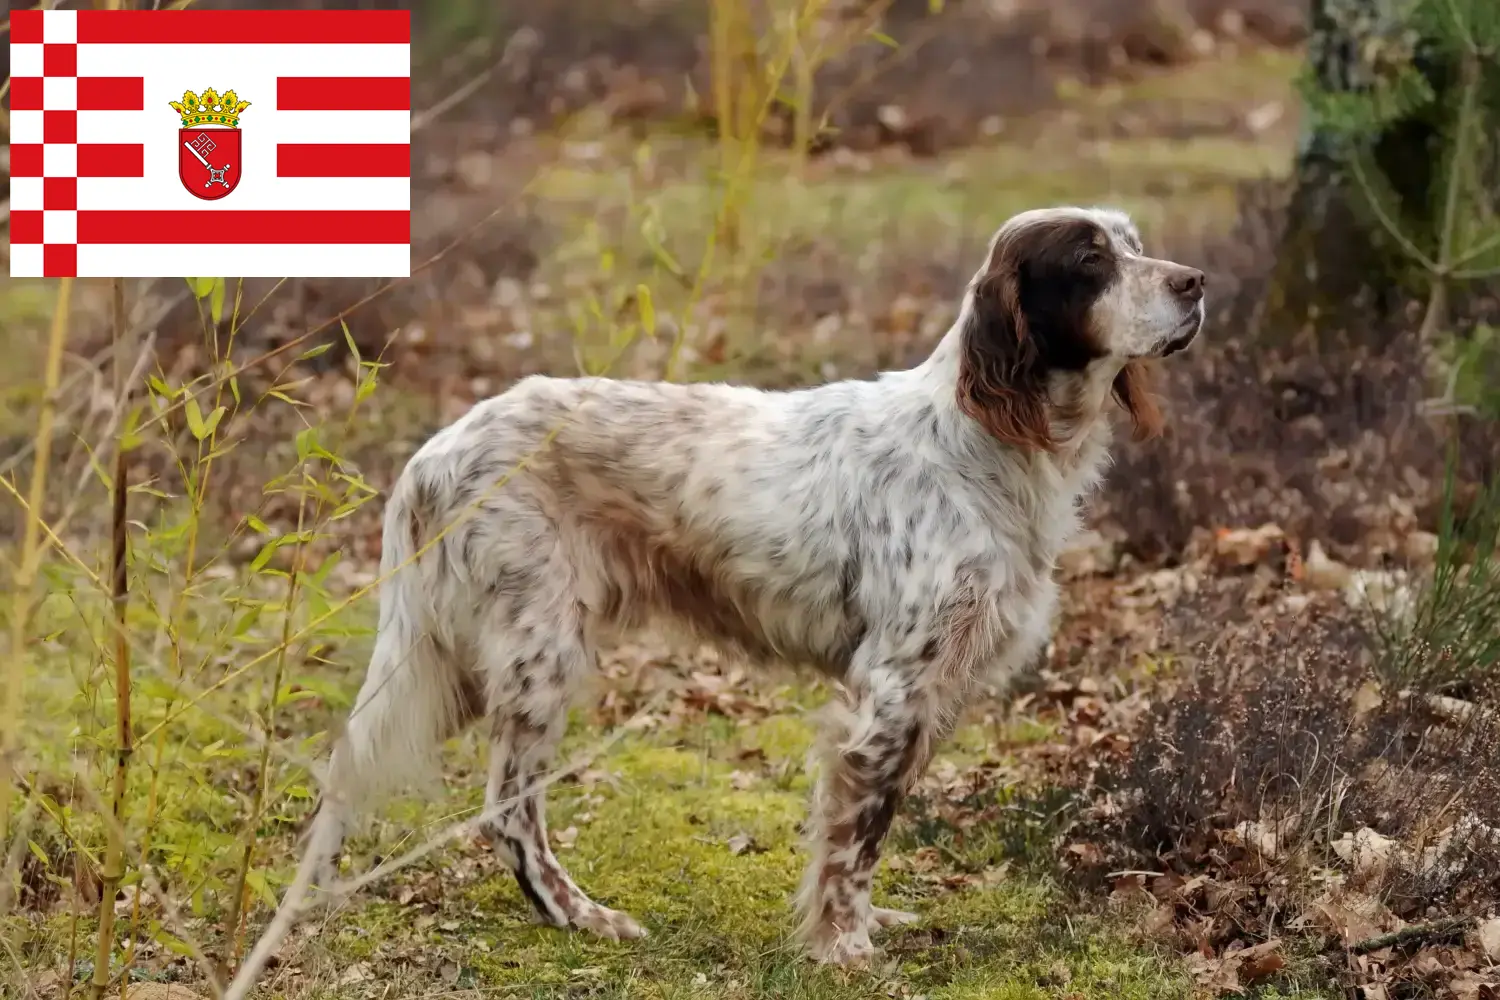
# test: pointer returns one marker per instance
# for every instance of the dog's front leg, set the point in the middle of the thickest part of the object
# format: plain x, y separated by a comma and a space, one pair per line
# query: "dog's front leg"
873, 751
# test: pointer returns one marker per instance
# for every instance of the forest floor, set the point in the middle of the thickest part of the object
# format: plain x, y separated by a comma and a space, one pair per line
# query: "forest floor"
685, 808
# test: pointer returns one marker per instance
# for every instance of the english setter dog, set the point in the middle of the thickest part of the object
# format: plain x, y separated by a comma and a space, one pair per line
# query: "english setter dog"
899, 534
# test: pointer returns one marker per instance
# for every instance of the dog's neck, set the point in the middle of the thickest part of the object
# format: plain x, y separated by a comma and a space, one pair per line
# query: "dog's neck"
1078, 401
1078, 404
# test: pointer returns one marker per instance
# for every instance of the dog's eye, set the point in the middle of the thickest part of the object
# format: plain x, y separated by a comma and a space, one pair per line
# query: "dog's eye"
1092, 257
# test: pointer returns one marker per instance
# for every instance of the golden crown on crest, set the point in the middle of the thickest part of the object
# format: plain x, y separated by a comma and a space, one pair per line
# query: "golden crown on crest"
210, 108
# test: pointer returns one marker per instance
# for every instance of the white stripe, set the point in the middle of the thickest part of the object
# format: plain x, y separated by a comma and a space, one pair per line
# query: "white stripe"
25, 260
60, 93
262, 130
239, 261
59, 159
243, 68
255, 192
60, 26
25, 59
25, 126
26, 194
60, 226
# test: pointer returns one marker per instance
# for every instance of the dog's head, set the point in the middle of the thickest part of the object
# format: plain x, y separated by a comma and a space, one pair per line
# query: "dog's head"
1069, 290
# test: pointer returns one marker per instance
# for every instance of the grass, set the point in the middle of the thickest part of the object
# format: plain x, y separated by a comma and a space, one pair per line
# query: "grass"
1448, 640
655, 820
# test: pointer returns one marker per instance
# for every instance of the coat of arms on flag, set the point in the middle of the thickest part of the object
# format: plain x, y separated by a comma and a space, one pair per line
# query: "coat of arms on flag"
209, 163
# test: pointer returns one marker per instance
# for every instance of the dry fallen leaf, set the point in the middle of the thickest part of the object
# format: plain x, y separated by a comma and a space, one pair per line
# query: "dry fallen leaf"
1238, 548
160, 991
1319, 572
1262, 960
1351, 916
1472, 986
743, 843
359, 972
1087, 854
1089, 554
1369, 853
1233, 970
1489, 938
1257, 836
1215, 975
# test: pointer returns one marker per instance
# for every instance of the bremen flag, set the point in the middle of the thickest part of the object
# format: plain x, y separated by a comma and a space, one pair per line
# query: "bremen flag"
238, 143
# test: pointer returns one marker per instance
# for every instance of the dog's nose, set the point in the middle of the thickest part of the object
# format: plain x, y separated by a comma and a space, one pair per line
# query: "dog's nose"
1187, 284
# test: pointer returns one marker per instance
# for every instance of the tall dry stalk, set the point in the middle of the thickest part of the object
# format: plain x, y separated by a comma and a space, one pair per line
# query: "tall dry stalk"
748, 73
114, 851
739, 90
30, 561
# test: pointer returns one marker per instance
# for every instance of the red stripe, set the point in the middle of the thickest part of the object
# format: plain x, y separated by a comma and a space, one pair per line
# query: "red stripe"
59, 260
26, 92
111, 159
343, 93
245, 27
26, 159
26, 226
25, 27
60, 193
330, 159
95, 93
59, 59
211, 227
111, 93
95, 159
60, 126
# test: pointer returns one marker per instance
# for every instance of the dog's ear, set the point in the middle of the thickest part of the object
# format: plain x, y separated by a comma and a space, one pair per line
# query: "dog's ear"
1002, 383
1132, 388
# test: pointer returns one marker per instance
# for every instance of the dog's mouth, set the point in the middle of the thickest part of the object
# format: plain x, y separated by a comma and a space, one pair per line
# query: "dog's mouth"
1187, 332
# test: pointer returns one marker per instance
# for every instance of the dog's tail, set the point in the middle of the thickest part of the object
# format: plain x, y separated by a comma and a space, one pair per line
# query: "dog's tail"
417, 691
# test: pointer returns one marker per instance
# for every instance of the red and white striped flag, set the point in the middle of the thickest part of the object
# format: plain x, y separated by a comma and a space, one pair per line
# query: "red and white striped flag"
169, 143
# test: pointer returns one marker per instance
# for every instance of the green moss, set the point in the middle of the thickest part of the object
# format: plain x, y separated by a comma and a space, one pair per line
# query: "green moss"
655, 840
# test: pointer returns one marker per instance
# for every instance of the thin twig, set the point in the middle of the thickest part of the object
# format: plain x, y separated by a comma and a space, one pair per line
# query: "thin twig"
424, 118
123, 392
1428, 933
114, 859
1386, 222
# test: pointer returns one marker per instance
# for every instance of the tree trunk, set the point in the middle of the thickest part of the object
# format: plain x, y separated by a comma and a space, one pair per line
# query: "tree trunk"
1338, 263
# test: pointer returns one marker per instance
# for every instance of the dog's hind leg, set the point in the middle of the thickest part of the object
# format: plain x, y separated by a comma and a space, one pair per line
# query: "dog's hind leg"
530, 685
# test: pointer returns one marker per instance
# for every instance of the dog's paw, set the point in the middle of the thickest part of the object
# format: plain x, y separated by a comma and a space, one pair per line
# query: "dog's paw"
613, 925
325, 876
850, 951
882, 918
